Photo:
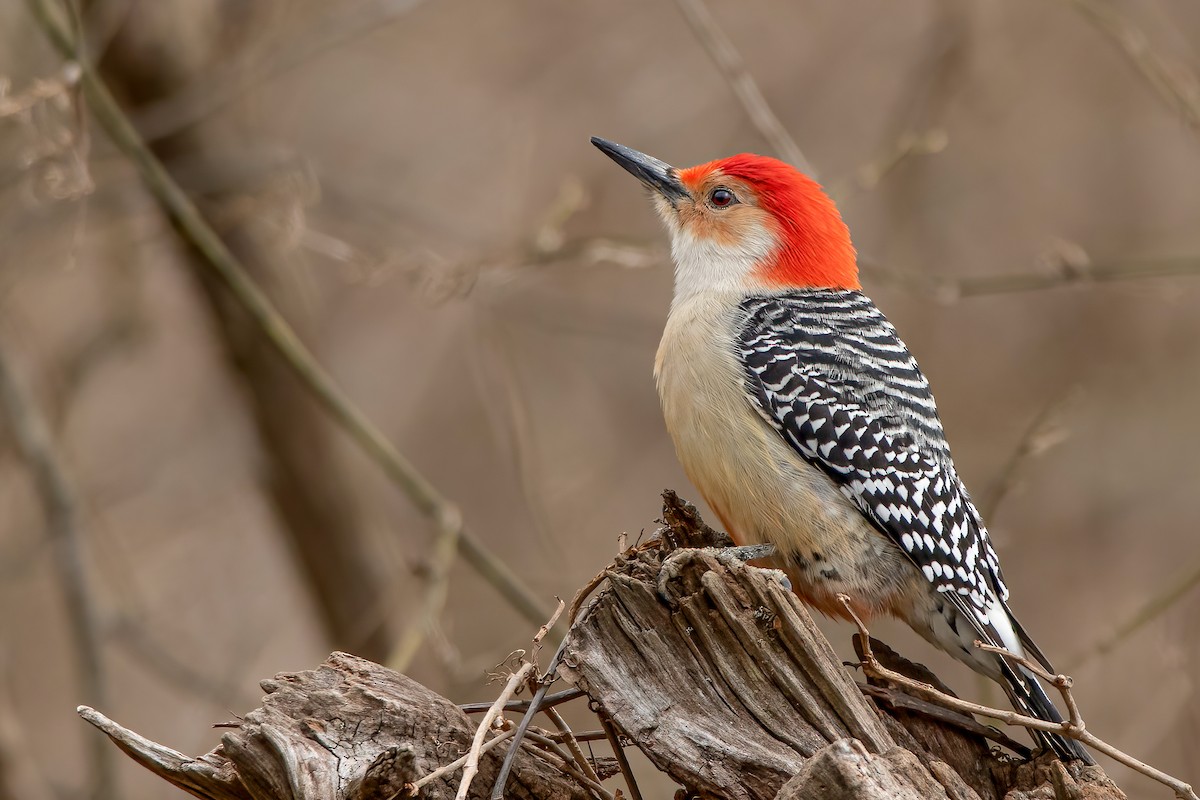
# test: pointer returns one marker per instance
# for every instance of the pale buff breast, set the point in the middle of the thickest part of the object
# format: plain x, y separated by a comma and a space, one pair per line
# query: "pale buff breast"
751, 477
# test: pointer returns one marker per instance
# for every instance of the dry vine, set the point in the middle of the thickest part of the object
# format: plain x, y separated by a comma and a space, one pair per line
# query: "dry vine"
1073, 728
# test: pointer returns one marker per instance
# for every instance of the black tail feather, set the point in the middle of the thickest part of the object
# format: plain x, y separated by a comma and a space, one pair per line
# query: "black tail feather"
1029, 697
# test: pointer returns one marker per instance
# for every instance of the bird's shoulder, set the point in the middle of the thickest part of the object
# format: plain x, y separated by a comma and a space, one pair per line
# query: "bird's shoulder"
840, 337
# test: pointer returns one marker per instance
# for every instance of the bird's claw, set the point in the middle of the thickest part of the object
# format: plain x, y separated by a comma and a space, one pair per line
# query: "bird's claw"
747, 552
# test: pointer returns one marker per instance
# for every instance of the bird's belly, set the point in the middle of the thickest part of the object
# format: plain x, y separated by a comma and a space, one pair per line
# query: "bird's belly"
762, 490
824, 543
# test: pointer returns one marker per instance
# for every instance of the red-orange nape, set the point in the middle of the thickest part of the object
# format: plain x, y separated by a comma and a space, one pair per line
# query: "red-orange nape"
814, 243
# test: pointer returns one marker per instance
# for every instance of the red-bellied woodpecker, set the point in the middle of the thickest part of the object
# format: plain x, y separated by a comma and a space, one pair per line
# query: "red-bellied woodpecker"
803, 420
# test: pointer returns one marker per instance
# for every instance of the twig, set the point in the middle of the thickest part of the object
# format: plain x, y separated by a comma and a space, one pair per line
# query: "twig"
566, 768
572, 743
1061, 682
39, 91
139, 643
582, 736
729, 61
1149, 611
217, 256
471, 766
412, 789
916, 128
31, 435
545, 629
444, 551
497, 379
560, 737
111, 338
1073, 728
523, 705
1046, 431
950, 288
900, 700
614, 741
546, 740
216, 91
585, 592
534, 705
871, 173
1177, 86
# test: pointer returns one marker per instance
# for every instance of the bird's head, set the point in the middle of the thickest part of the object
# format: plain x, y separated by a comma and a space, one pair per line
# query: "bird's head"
746, 222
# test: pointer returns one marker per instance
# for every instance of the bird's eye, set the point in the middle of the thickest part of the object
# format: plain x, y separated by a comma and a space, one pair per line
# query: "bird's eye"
722, 197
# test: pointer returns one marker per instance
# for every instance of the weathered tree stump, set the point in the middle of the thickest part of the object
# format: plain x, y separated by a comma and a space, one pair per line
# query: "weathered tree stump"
347, 730
711, 667
719, 675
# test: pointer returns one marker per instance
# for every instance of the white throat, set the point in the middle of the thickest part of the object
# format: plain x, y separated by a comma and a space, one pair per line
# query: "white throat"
706, 265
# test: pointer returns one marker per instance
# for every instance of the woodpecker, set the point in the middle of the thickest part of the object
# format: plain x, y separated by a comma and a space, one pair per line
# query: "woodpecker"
804, 421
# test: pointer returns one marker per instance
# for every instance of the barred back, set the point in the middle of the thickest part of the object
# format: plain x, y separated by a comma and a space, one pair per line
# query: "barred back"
827, 370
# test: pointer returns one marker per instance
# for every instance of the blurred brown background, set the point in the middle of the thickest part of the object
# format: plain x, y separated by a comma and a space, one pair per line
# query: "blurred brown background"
412, 183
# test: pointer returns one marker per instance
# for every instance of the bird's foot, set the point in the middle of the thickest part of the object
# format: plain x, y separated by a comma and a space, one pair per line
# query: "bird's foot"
728, 555
747, 552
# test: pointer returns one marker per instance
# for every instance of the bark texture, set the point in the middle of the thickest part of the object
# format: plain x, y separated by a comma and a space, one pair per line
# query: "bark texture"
347, 730
719, 675
711, 667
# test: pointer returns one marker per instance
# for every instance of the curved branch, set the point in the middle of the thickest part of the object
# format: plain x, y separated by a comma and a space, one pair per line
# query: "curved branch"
176, 203
1073, 728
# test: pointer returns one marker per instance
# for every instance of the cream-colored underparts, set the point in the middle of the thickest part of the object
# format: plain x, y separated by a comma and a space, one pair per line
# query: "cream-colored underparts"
749, 474
764, 491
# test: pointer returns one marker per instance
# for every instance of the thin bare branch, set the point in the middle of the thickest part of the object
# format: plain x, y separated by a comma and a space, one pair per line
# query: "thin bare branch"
39, 91
1045, 432
523, 705
1064, 273
1065, 265
427, 499
141, 644
471, 766
564, 765
31, 435
614, 741
526, 721
572, 743
585, 592
414, 788
1175, 84
545, 629
1074, 728
733, 68
546, 740
871, 173
895, 698
1059, 681
497, 378
232, 81
1154, 607
581, 736
444, 550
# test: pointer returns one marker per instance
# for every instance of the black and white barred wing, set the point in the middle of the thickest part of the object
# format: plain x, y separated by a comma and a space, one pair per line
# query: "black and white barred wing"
828, 372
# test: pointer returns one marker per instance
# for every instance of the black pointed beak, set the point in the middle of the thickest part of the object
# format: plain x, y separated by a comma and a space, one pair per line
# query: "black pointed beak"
657, 175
